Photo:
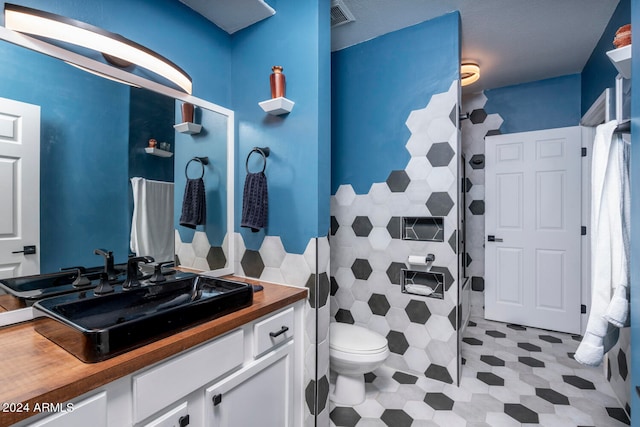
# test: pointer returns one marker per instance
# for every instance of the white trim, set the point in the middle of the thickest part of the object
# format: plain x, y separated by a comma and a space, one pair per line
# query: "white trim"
600, 110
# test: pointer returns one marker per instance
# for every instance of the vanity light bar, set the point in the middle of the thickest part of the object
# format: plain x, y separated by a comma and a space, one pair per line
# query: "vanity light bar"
44, 24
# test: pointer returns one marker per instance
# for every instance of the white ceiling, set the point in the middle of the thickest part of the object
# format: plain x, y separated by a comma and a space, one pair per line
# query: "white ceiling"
513, 41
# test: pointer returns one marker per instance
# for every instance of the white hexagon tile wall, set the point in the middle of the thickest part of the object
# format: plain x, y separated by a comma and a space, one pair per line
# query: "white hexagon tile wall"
368, 254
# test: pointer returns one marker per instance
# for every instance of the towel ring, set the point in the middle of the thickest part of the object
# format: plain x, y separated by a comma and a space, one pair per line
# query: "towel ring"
202, 160
264, 152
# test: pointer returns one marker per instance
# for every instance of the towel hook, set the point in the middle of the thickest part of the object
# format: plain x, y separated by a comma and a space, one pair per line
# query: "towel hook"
264, 152
202, 160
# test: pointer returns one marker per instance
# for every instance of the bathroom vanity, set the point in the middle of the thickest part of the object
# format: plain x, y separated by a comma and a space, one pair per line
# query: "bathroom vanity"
241, 369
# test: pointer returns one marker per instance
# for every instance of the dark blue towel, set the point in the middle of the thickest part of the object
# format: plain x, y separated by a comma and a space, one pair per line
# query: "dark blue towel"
194, 205
255, 203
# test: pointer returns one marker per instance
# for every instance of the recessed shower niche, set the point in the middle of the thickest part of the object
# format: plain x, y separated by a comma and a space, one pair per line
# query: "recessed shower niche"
425, 283
429, 229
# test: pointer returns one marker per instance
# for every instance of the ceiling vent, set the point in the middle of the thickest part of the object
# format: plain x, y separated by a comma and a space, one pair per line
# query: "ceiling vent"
340, 14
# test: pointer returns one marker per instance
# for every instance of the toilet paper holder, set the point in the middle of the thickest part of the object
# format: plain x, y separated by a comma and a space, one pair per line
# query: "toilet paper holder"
421, 260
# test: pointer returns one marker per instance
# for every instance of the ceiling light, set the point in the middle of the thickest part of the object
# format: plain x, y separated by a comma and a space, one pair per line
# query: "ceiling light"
44, 24
469, 73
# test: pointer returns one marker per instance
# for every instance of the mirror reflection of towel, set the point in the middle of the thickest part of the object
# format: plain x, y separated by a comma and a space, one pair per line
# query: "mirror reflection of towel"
194, 205
152, 221
255, 202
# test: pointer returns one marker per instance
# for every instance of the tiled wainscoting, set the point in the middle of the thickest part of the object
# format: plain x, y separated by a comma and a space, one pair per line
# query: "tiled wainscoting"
368, 252
512, 376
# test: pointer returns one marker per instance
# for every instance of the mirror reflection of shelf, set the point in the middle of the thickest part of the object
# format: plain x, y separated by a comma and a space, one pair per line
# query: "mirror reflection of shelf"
188, 128
277, 106
621, 59
158, 152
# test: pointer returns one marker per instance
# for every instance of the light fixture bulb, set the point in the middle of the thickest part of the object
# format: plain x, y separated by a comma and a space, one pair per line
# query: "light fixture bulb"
469, 73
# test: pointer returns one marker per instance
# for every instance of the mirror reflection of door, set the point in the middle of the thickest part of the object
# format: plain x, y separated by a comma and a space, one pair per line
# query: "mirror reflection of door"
19, 188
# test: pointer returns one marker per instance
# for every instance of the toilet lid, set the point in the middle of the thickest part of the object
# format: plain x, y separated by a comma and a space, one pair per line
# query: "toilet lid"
355, 339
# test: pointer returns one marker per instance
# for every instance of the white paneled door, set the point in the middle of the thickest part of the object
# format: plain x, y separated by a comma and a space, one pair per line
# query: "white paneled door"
19, 188
533, 227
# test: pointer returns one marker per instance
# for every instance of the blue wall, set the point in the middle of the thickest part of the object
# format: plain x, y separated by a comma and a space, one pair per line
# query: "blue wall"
635, 221
598, 73
296, 37
375, 85
544, 104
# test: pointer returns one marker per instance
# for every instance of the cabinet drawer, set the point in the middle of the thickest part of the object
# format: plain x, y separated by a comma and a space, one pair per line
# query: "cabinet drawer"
171, 418
272, 331
158, 387
88, 412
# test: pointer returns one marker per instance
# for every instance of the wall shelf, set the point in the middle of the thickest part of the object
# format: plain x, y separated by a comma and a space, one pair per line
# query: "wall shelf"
188, 128
277, 106
158, 152
621, 59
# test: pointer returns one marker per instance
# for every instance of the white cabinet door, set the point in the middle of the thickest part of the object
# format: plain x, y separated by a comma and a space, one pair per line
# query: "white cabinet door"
257, 395
88, 412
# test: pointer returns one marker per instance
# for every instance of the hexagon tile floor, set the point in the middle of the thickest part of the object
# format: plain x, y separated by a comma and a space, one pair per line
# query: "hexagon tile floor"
512, 376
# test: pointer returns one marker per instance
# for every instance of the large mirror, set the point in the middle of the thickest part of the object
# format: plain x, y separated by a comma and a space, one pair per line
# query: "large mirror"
93, 135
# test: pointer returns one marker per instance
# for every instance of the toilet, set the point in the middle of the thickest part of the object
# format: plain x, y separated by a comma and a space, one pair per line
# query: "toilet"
353, 351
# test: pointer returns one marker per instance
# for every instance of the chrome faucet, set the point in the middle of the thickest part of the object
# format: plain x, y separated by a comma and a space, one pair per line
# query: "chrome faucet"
132, 271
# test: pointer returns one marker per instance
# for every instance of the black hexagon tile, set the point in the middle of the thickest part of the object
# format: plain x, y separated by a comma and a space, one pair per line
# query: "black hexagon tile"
398, 181
439, 203
550, 339
378, 304
362, 226
439, 373
478, 116
324, 288
394, 227
552, 396
361, 269
344, 316
344, 416
397, 342
476, 207
394, 272
619, 414
530, 361
334, 225
404, 378
492, 360
440, 154
622, 364
578, 382
496, 334
417, 311
529, 347
216, 258
252, 263
334, 286
472, 341
490, 378
439, 401
396, 418
521, 413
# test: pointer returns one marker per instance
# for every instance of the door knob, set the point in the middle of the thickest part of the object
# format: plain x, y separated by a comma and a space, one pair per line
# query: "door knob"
492, 238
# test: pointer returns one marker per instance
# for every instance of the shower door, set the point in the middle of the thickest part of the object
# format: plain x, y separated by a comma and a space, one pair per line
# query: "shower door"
533, 226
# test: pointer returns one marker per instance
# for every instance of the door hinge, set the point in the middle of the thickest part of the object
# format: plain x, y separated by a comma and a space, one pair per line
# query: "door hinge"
583, 230
584, 151
583, 309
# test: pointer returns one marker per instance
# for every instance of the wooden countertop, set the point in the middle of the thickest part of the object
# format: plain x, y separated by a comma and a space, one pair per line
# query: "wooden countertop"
35, 370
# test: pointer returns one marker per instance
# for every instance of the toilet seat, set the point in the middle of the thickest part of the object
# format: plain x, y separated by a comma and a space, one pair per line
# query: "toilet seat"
352, 339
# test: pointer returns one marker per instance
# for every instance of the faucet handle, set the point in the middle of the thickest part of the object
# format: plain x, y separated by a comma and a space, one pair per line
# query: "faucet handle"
104, 287
157, 272
132, 271
80, 279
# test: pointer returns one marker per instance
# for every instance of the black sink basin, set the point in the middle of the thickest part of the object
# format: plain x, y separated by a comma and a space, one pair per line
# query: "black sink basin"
95, 328
32, 288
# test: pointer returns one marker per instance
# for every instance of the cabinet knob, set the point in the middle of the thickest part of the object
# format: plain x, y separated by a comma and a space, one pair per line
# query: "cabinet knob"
183, 421
280, 332
217, 399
